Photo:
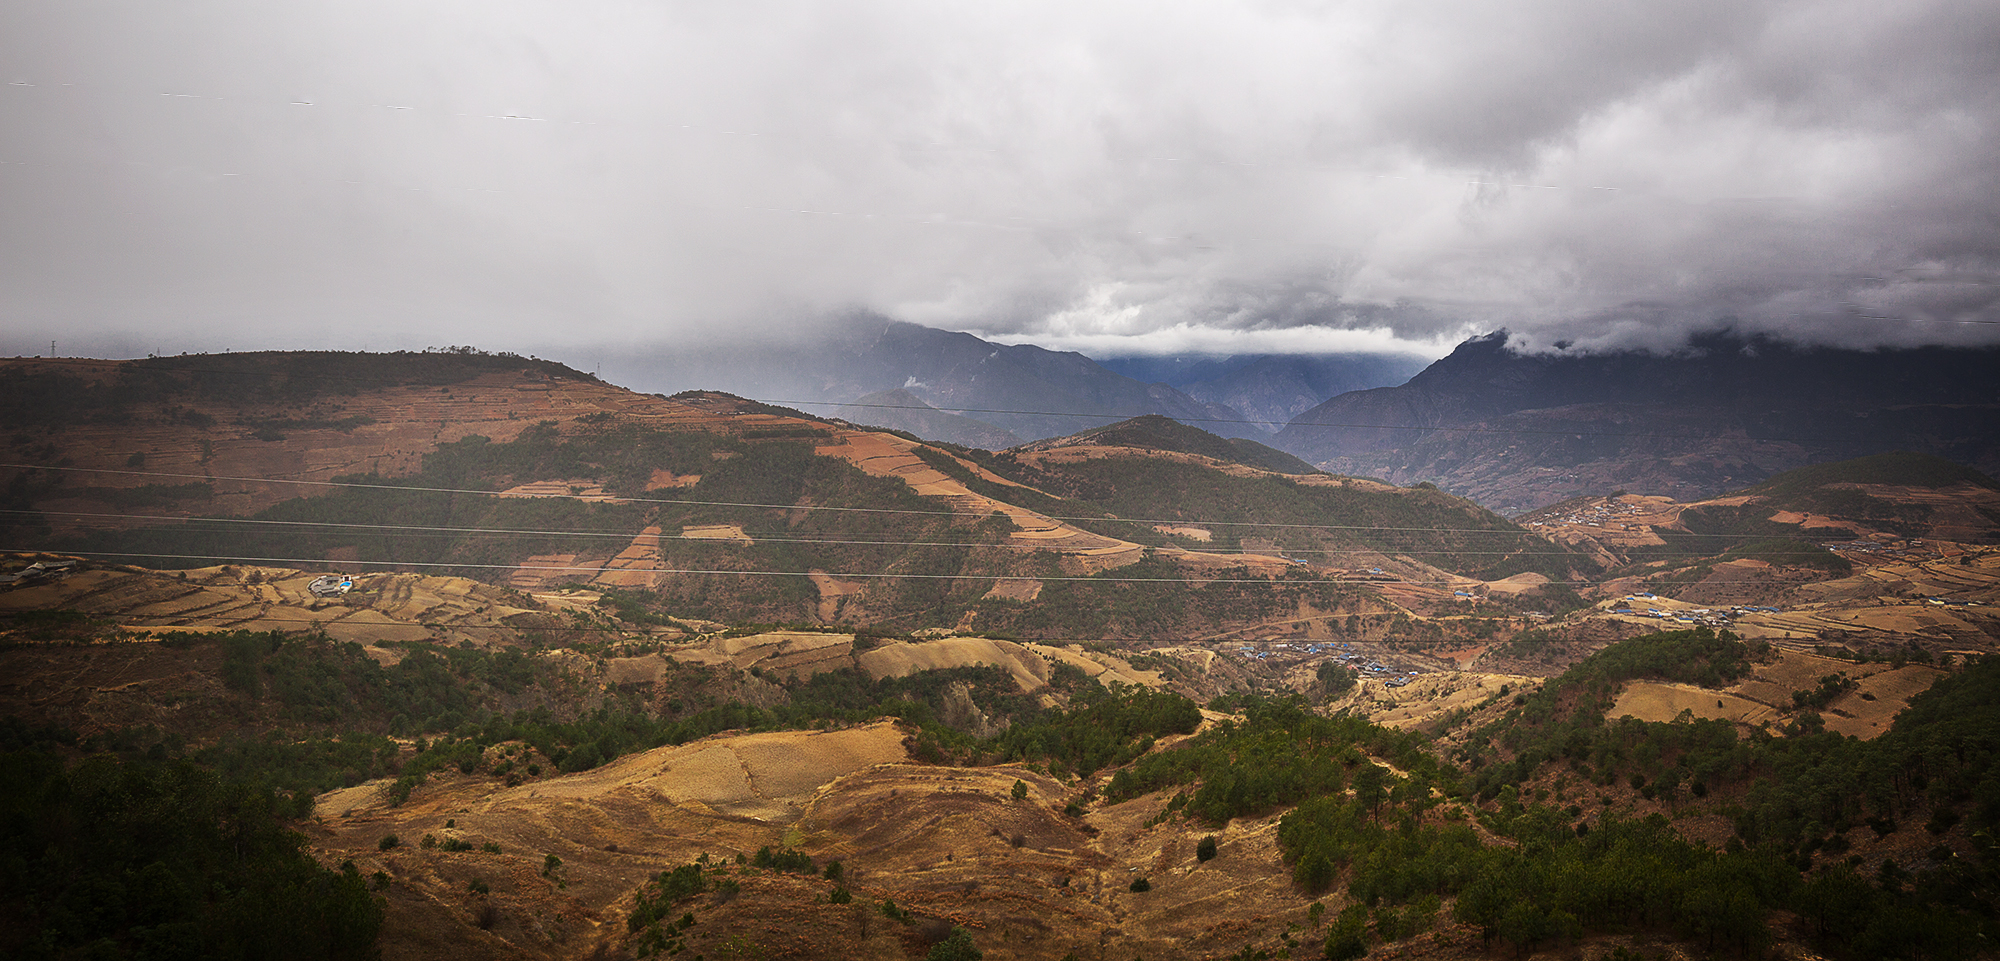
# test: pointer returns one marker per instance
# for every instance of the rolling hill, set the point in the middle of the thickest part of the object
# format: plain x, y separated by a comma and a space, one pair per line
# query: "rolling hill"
520, 473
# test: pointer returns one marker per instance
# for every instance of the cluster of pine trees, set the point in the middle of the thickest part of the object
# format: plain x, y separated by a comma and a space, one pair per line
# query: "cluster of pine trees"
108, 858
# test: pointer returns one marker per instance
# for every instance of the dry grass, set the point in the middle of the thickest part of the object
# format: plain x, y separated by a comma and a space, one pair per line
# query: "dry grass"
897, 659
1105, 668
1431, 696
1764, 699
1661, 701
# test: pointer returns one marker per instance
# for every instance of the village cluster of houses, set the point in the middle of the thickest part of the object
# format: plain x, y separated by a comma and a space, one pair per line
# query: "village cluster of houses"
1906, 549
1354, 659
1950, 602
1376, 667
1712, 617
1276, 648
1599, 515
330, 585
35, 572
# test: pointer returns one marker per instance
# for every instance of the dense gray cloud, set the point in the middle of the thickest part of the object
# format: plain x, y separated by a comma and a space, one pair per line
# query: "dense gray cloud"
607, 178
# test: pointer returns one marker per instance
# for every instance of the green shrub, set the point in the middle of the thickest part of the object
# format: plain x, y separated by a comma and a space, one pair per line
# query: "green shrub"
957, 946
784, 860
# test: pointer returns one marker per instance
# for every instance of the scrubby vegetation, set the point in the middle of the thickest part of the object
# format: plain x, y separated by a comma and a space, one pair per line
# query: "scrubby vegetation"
1550, 888
1797, 791
337, 709
1565, 717
1901, 468
1153, 598
1107, 730
1395, 839
1279, 756
1446, 531
49, 398
1790, 552
1155, 432
49, 626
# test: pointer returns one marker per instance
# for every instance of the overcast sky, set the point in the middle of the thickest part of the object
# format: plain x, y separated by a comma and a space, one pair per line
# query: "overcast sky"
590, 180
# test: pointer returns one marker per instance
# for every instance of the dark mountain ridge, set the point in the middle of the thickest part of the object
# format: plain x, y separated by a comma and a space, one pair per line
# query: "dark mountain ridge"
1516, 431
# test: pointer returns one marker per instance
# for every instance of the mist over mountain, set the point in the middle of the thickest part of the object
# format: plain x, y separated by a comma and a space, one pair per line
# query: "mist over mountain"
1031, 391
901, 410
1270, 388
1516, 430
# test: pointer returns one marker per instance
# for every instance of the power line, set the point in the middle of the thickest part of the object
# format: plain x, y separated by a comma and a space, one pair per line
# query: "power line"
1172, 521
153, 363
871, 575
693, 635
785, 507
418, 530
1226, 420
337, 622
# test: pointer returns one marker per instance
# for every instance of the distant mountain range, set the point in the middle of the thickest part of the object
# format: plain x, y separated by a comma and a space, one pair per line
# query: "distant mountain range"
1030, 392
1026, 391
1516, 431
1270, 389
1510, 430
